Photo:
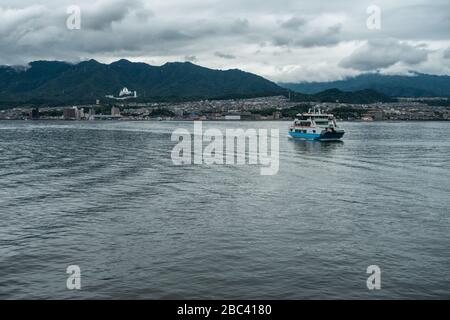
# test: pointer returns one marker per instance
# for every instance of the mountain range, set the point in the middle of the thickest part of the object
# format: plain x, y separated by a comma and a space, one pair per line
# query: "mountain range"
55, 83
61, 82
414, 85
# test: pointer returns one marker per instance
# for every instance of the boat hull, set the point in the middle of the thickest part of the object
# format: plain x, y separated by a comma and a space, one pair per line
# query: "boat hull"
332, 136
326, 136
305, 136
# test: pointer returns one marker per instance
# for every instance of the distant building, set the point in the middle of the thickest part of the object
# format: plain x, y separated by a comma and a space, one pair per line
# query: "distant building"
74, 114
115, 111
70, 113
124, 94
367, 117
232, 116
80, 114
377, 115
179, 112
91, 114
246, 115
34, 114
276, 115
104, 117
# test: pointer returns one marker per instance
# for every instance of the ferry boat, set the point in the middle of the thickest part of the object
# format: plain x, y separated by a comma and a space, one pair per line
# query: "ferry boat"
315, 125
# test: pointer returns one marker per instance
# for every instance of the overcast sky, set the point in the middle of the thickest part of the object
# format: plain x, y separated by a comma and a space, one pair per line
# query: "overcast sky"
282, 40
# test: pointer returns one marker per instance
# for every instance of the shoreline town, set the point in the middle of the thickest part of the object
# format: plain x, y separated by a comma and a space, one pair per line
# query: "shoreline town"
254, 109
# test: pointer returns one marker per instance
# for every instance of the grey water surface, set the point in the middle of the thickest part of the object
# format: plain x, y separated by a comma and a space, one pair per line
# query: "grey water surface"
106, 196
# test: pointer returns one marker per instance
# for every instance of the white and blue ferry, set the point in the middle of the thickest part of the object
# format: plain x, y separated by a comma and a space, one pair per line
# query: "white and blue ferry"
315, 125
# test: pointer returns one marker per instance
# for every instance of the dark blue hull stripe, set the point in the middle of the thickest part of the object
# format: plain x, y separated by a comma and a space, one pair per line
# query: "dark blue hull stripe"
317, 136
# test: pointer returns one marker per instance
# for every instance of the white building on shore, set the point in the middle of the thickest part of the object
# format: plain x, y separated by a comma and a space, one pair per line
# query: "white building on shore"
124, 94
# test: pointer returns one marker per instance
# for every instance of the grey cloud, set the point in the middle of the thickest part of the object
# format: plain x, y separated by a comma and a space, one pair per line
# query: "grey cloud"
224, 55
190, 58
309, 37
293, 23
144, 14
302, 34
328, 37
429, 20
105, 13
379, 54
281, 41
172, 35
240, 25
447, 53
14, 18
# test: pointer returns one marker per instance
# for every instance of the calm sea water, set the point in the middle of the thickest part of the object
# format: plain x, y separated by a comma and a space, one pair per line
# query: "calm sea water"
106, 196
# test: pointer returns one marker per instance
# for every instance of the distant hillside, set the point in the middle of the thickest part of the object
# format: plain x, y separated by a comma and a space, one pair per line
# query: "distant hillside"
417, 85
60, 82
335, 95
